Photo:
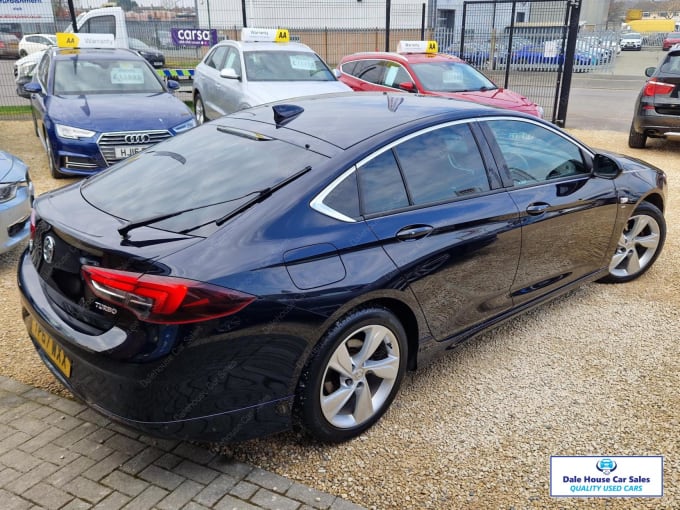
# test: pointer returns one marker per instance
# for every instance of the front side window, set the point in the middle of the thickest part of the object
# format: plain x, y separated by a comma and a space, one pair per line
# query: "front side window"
535, 154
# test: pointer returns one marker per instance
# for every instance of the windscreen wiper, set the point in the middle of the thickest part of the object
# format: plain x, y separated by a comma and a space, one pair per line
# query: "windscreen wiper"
261, 196
131, 225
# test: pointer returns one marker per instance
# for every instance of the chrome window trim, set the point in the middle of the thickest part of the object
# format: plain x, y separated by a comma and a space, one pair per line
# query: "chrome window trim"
317, 202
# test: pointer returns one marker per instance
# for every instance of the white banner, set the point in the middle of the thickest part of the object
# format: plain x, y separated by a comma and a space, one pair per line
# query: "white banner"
606, 477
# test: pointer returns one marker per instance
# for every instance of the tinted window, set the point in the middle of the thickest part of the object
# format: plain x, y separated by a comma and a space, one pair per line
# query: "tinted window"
381, 186
671, 65
345, 197
369, 70
534, 153
442, 164
206, 167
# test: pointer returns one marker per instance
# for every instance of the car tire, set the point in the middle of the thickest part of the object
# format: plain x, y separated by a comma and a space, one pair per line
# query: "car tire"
639, 246
199, 110
340, 394
636, 140
54, 169
22, 53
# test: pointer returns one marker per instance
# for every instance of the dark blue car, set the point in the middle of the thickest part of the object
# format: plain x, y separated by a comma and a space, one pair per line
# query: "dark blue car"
95, 107
285, 265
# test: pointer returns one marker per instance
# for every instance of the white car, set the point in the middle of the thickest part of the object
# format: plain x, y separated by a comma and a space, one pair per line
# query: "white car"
239, 74
631, 41
36, 42
16, 199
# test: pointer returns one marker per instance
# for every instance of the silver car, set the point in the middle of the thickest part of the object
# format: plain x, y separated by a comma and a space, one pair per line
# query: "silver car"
235, 75
16, 198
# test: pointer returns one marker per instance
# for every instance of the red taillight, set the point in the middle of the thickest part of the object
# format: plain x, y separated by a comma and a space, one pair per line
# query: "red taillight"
32, 224
654, 88
164, 299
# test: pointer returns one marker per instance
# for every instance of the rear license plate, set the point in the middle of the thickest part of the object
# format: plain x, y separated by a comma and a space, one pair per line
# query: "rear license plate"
158, 64
126, 152
51, 348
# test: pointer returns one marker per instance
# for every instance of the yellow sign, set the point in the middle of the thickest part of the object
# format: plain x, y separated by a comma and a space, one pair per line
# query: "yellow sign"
265, 35
417, 47
69, 40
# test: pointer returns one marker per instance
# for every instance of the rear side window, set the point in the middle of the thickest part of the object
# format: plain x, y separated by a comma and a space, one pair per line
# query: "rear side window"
368, 70
672, 64
381, 186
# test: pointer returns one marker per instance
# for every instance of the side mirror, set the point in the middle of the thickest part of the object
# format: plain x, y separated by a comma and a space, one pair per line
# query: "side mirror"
649, 71
407, 86
606, 167
337, 73
230, 74
173, 85
32, 87
21, 91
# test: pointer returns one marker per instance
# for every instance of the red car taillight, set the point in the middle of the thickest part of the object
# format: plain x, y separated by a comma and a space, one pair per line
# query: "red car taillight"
164, 299
32, 228
654, 88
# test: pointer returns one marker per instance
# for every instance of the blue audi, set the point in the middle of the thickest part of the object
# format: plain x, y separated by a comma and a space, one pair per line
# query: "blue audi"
285, 265
94, 107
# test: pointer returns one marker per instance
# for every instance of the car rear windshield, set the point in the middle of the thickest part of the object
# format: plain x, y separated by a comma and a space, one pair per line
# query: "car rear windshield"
213, 169
104, 77
286, 66
451, 77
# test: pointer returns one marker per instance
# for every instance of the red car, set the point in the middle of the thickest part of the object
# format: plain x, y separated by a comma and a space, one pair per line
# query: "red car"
670, 40
434, 74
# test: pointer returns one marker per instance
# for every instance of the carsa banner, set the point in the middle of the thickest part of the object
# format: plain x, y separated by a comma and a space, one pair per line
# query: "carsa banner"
193, 36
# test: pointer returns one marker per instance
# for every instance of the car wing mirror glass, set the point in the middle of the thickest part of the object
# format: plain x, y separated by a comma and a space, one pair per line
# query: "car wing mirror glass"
649, 71
606, 167
230, 74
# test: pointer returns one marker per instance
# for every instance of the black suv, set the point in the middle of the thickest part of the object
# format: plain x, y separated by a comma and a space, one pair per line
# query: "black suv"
657, 110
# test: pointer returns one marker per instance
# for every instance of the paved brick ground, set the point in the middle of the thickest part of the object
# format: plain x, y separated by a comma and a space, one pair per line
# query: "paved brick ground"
58, 454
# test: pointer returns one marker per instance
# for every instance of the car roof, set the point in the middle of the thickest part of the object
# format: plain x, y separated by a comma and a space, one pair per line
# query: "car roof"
346, 119
266, 46
412, 58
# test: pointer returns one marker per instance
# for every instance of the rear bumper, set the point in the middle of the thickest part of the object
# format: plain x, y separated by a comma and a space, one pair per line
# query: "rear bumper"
218, 400
657, 125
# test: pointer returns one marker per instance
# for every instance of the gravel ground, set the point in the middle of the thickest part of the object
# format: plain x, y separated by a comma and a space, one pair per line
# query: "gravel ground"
595, 372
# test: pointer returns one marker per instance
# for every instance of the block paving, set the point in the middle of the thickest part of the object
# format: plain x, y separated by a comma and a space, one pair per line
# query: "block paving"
56, 454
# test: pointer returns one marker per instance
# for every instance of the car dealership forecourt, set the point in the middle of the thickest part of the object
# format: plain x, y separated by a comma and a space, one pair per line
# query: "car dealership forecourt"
466, 390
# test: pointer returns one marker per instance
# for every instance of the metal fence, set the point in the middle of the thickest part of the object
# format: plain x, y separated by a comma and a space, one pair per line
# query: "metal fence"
335, 28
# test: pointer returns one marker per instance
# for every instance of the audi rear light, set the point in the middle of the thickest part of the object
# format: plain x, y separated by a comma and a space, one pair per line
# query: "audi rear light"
655, 88
164, 299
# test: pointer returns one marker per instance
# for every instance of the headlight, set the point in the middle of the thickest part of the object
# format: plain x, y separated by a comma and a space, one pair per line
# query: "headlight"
184, 126
73, 132
25, 69
9, 190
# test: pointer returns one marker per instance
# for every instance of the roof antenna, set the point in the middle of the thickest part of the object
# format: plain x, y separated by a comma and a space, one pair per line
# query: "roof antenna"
284, 113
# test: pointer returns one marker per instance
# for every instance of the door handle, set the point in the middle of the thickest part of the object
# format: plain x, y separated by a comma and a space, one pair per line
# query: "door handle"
537, 208
414, 232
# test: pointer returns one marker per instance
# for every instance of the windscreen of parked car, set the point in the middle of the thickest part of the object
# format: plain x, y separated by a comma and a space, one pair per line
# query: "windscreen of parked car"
286, 66
84, 76
451, 77
213, 168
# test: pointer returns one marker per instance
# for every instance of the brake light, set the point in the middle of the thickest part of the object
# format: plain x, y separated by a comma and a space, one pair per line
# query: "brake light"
164, 299
654, 88
32, 228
